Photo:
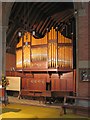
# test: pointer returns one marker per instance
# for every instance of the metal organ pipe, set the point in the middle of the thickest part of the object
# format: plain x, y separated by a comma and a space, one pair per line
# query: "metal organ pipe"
57, 50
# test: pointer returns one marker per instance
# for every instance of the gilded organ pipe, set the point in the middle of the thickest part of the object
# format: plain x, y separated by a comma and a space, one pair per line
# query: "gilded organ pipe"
58, 37
54, 34
51, 34
54, 53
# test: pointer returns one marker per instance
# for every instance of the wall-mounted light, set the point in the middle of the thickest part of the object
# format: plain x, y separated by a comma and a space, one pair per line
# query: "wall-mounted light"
19, 34
33, 32
56, 28
47, 29
75, 12
72, 33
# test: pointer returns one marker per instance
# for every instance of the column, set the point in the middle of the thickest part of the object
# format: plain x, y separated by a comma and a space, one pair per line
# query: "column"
0, 47
0, 40
3, 29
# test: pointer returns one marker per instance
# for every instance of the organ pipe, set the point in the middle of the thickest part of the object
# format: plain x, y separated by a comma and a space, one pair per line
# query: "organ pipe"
56, 51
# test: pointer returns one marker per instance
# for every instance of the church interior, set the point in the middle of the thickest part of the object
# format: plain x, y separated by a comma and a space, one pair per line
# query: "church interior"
45, 60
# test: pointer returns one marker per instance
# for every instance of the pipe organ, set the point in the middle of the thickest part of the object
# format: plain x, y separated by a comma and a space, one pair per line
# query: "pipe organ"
39, 54
45, 65
54, 50
52, 55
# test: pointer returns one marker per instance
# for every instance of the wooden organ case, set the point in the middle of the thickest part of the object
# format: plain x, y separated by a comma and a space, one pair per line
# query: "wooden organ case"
45, 65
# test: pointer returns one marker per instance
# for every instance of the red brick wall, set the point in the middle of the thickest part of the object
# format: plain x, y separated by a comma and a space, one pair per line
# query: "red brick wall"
10, 61
84, 89
83, 35
84, 38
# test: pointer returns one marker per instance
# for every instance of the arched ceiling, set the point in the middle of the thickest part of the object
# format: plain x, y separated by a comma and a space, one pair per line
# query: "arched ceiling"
37, 16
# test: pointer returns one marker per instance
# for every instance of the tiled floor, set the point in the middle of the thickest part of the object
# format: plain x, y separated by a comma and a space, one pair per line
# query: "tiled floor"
31, 102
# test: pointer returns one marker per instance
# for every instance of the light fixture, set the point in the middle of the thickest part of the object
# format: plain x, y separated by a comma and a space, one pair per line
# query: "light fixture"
33, 33
19, 34
75, 12
56, 28
72, 33
47, 29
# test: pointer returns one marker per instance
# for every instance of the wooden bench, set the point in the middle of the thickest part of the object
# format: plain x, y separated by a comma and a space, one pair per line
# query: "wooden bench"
74, 106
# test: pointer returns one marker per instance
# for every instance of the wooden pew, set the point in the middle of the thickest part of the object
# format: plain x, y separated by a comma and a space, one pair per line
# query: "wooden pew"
75, 106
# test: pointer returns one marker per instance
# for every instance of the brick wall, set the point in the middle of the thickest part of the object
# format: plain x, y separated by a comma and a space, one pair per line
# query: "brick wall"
83, 42
10, 61
83, 34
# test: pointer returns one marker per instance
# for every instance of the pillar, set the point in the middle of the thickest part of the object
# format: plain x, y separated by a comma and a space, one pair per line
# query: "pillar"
0, 46
3, 29
5, 8
0, 40
2, 50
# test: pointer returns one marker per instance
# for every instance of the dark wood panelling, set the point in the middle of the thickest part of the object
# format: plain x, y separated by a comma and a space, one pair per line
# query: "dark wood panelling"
37, 81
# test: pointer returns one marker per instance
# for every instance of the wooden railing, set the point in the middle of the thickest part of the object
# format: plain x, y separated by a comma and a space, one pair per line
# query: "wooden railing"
84, 110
